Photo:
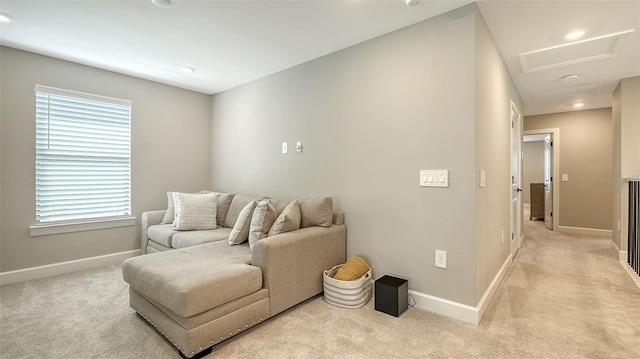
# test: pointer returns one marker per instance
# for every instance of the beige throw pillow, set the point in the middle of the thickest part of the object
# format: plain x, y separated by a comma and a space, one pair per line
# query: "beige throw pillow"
263, 217
288, 220
316, 212
195, 211
240, 231
171, 210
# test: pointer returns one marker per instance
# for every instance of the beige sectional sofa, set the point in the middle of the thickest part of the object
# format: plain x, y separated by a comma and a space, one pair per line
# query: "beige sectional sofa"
199, 290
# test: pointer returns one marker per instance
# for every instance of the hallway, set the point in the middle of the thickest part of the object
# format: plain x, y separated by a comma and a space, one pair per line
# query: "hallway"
567, 293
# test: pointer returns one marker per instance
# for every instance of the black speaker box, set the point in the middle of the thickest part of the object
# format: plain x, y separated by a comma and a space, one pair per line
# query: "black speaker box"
392, 295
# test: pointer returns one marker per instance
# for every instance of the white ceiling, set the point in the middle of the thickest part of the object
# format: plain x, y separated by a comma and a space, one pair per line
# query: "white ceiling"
520, 27
235, 42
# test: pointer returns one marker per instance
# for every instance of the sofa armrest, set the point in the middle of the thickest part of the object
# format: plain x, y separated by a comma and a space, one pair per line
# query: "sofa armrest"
292, 263
148, 219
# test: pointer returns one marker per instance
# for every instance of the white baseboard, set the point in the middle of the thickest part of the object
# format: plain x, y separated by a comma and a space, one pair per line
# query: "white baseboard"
463, 312
49, 270
493, 287
622, 256
589, 231
619, 253
448, 308
634, 276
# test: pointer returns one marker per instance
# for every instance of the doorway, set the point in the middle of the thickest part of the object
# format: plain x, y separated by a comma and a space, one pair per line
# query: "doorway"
516, 180
540, 166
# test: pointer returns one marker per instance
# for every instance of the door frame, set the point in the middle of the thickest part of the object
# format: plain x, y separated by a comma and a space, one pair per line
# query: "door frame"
555, 170
517, 237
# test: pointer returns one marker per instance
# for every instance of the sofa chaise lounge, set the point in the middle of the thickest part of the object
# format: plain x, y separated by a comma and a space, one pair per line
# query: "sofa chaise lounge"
198, 290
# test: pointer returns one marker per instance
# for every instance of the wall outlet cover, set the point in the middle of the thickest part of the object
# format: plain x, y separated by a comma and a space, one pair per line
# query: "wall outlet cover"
441, 259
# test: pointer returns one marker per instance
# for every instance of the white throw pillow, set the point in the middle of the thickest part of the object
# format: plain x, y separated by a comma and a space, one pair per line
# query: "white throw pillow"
169, 215
195, 211
240, 231
288, 220
263, 217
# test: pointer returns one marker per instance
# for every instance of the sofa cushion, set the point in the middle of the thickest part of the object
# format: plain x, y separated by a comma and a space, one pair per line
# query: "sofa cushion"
195, 211
161, 233
153, 247
238, 202
184, 239
190, 281
240, 231
224, 201
288, 220
263, 217
281, 203
316, 212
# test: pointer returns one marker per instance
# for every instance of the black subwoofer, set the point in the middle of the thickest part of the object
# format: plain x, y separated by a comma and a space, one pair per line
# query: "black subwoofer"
392, 295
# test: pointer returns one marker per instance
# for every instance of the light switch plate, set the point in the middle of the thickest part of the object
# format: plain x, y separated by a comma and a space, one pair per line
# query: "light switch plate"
285, 147
299, 147
483, 179
434, 178
565, 177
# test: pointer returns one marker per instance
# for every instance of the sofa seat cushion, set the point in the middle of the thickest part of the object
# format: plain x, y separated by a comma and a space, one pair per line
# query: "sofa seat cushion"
183, 239
190, 281
162, 234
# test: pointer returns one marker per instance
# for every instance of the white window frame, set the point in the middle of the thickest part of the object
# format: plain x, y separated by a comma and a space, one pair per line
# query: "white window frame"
57, 146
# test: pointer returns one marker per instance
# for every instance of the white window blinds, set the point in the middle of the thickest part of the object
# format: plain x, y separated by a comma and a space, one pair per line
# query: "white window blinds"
83, 156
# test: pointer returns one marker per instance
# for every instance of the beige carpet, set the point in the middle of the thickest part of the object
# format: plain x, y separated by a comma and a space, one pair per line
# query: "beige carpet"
565, 296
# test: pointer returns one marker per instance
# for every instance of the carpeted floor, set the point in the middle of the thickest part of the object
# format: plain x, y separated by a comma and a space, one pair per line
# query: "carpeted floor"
565, 296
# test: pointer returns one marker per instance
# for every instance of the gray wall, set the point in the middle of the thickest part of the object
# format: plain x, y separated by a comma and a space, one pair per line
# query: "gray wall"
370, 117
532, 167
170, 151
586, 150
626, 152
494, 90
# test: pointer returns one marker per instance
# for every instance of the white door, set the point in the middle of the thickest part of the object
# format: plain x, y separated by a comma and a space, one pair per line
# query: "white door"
516, 158
548, 181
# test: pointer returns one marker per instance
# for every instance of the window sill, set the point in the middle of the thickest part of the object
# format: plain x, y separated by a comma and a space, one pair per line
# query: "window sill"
88, 225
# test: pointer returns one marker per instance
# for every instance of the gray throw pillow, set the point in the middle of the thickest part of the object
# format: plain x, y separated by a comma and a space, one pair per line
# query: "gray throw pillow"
288, 220
263, 217
316, 212
240, 231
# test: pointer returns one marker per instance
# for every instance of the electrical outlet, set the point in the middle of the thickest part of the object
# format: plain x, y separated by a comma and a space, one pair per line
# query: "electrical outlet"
441, 259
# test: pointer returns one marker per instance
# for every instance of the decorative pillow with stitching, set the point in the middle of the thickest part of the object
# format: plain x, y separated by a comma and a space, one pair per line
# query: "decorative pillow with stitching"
288, 220
195, 211
240, 231
263, 217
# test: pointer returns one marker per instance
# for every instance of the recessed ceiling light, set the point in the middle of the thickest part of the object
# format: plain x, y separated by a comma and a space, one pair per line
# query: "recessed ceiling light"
187, 69
412, 2
578, 105
570, 77
573, 35
161, 3
5, 17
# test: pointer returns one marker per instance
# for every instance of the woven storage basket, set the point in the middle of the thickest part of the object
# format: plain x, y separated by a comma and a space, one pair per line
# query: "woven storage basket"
346, 294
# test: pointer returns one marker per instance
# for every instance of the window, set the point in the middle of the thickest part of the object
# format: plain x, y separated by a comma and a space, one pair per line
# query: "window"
83, 157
